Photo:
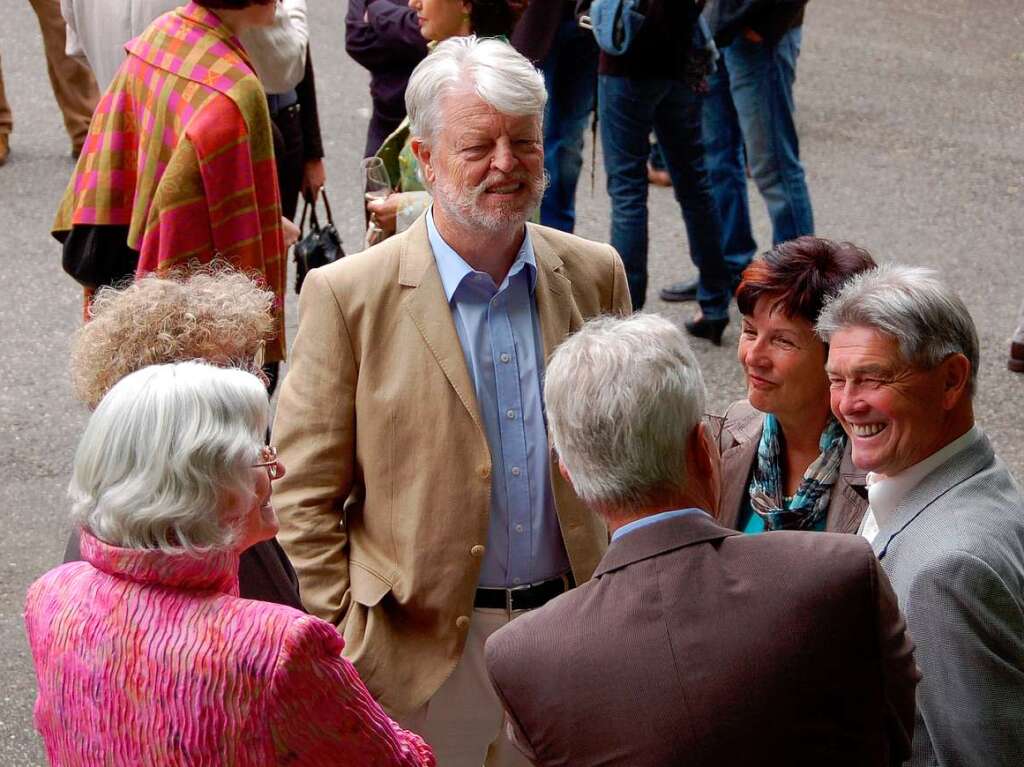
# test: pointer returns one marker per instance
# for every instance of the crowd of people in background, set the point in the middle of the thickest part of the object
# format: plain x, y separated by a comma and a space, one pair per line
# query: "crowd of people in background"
492, 521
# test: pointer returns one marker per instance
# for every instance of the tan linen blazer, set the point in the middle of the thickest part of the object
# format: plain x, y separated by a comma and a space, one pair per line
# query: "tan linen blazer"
739, 432
695, 645
384, 507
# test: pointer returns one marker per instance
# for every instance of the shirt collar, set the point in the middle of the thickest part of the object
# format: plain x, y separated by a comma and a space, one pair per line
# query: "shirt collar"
886, 493
454, 269
653, 519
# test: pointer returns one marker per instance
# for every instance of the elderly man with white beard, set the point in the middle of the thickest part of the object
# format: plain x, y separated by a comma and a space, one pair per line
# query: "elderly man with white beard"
945, 517
420, 508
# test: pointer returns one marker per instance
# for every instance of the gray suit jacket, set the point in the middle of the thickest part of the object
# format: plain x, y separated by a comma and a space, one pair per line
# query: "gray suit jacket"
697, 645
954, 551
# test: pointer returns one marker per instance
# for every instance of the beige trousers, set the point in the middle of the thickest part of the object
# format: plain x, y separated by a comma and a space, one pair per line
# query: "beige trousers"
464, 721
71, 79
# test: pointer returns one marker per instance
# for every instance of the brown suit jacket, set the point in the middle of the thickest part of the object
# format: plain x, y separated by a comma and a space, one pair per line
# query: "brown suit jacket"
698, 645
384, 507
739, 432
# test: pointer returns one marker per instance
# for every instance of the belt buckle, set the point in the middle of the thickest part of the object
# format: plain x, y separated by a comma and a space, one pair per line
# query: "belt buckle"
508, 597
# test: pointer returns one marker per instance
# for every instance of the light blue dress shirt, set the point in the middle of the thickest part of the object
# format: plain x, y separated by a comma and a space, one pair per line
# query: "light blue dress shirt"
500, 337
636, 524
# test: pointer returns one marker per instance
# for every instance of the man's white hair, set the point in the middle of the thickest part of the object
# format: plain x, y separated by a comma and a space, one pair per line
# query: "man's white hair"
927, 319
164, 460
493, 69
623, 397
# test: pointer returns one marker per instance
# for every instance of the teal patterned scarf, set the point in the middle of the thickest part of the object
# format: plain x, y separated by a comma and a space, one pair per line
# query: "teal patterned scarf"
810, 503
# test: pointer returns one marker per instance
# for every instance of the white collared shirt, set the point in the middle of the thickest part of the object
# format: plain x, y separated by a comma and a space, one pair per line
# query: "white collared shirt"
886, 493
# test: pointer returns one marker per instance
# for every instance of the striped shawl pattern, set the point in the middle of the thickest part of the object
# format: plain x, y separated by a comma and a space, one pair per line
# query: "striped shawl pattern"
180, 151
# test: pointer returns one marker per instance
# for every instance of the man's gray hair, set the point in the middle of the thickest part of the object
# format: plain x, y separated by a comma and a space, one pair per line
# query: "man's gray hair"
164, 460
496, 71
927, 319
623, 397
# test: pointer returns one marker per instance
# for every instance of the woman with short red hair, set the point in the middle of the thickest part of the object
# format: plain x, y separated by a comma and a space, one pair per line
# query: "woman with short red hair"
786, 463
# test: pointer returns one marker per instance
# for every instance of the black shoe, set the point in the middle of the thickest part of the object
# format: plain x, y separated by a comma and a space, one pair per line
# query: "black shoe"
1016, 361
680, 291
712, 330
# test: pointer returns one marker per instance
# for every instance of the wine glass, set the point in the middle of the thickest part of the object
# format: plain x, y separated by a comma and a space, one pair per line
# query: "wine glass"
376, 186
376, 183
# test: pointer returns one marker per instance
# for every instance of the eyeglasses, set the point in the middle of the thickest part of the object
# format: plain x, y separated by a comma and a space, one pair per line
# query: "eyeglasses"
268, 459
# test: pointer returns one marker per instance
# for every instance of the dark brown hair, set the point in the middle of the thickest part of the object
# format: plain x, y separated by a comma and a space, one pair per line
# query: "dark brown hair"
492, 18
799, 276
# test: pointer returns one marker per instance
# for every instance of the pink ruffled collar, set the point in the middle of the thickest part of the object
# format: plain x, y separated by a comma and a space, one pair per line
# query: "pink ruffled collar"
212, 570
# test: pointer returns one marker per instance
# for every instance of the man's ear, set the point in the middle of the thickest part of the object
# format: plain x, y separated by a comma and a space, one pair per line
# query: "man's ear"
703, 469
564, 471
956, 379
422, 151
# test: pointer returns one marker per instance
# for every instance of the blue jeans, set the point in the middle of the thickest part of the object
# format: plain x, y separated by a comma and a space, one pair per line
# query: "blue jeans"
629, 109
570, 73
751, 105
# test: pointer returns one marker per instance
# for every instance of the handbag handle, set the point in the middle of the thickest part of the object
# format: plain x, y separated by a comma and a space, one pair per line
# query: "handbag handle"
327, 206
310, 208
302, 218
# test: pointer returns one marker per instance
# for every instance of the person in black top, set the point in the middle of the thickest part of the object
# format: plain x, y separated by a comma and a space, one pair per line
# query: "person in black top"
383, 36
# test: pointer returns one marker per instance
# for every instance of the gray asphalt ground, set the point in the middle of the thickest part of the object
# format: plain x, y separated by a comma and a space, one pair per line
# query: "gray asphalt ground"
911, 128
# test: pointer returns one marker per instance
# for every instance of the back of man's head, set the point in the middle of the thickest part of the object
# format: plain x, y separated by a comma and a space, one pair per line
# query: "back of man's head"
623, 398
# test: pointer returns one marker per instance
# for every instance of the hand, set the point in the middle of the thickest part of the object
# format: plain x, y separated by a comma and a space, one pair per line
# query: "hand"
291, 232
384, 212
313, 178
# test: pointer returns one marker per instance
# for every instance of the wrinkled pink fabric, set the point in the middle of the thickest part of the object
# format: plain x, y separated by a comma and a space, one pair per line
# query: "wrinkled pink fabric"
146, 658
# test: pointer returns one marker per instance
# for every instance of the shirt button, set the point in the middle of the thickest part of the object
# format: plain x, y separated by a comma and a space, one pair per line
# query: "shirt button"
477, 551
517, 581
519, 528
505, 357
485, 472
462, 622
516, 471
510, 414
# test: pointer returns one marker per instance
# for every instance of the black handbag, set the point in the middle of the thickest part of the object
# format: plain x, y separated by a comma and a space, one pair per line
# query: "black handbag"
321, 246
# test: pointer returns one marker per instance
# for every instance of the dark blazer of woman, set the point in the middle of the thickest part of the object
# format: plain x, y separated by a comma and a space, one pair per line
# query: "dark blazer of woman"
738, 433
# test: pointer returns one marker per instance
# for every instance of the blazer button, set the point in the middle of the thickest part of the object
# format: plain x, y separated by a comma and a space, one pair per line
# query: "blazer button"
485, 472
477, 551
462, 622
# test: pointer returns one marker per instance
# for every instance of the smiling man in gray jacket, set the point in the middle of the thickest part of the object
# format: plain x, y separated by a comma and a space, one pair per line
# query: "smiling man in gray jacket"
945, 517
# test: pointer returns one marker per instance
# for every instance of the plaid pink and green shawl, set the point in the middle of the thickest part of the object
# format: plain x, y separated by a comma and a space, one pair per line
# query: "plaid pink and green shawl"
180, 151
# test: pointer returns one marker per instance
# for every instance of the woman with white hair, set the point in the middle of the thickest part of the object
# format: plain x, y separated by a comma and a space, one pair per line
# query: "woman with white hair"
144, 653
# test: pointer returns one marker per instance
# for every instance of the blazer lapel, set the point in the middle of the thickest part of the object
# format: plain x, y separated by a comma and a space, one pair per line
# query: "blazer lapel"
430, 312
973, 458
736, 464
556, 310
849, 497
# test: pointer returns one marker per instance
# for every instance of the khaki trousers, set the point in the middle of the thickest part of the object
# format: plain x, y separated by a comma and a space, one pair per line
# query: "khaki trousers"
71, 79
464, 722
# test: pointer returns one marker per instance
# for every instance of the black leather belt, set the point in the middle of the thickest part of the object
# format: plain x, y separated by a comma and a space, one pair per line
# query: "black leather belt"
524, 597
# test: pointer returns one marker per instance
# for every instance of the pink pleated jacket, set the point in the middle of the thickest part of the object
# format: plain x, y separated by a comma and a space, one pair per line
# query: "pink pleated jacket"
145, 658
